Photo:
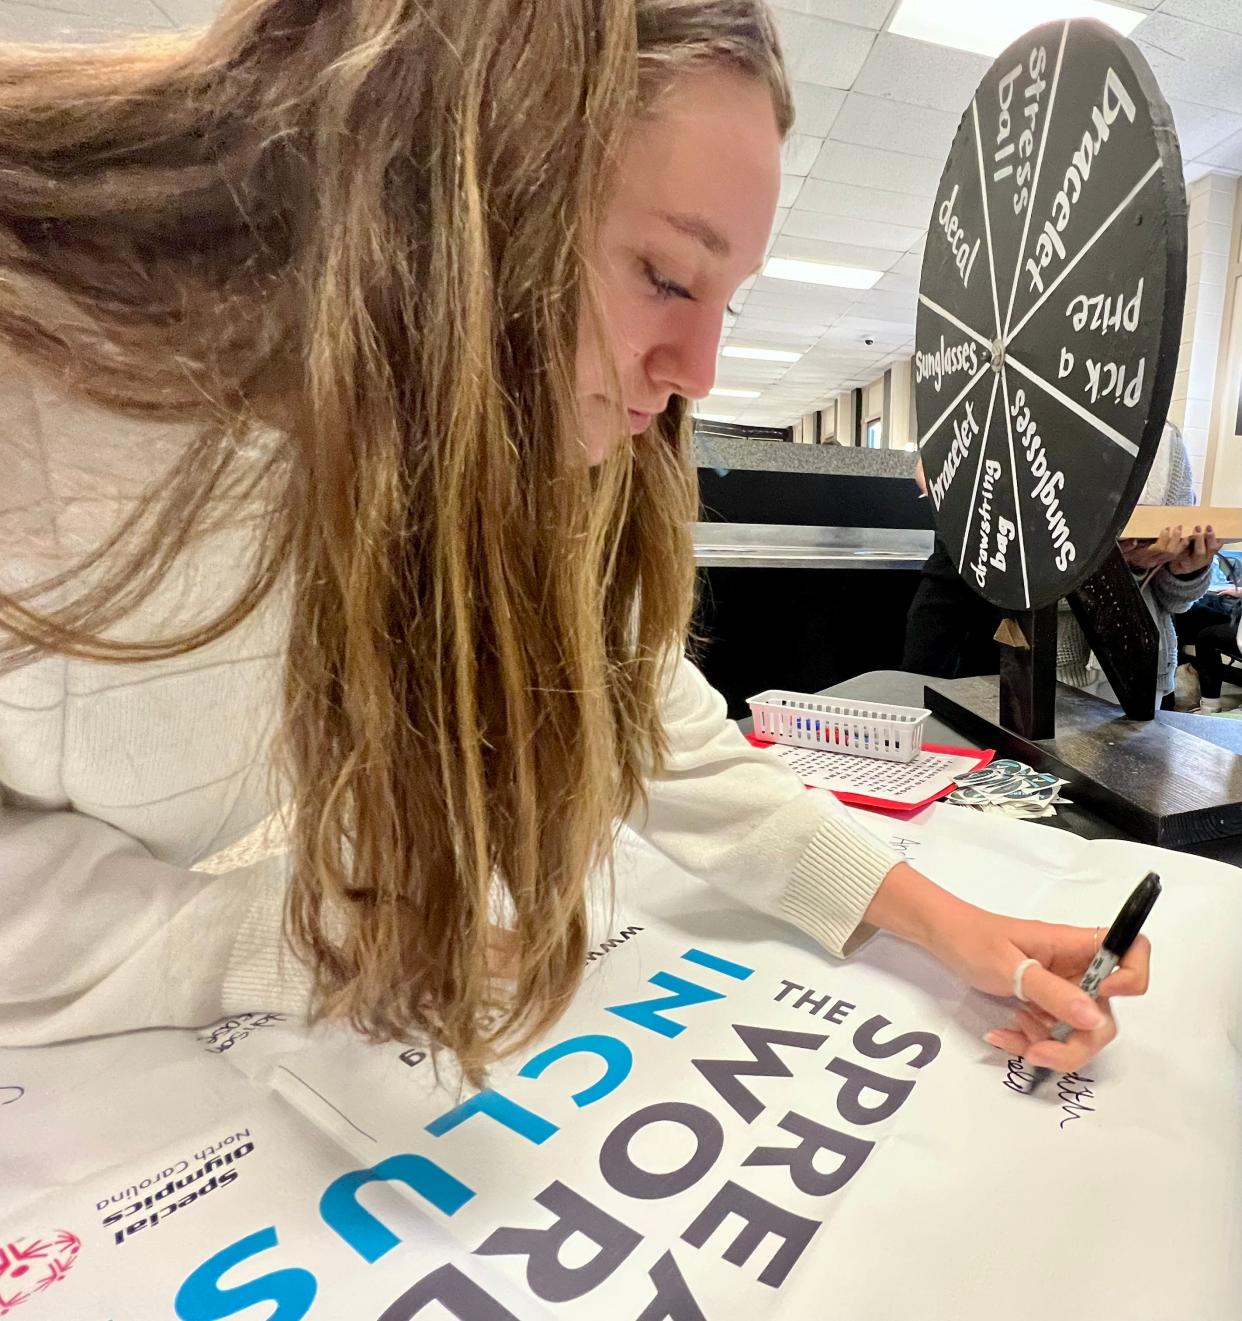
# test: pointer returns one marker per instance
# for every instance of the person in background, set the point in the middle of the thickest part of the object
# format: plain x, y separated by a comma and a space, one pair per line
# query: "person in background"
347, 350
1172, 573
1211, 626
950, 628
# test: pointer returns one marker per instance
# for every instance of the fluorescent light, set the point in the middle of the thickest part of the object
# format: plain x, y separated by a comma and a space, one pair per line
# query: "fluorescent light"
988, 26
760, 355
818, 272
733, 394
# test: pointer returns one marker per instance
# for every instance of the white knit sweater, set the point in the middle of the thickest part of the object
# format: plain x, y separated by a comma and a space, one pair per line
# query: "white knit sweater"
116, 780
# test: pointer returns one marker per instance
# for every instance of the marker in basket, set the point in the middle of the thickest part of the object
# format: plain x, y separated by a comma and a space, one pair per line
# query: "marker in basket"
1113, 948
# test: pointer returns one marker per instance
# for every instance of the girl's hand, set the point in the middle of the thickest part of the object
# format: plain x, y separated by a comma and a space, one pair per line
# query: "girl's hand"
987, 948
984, 949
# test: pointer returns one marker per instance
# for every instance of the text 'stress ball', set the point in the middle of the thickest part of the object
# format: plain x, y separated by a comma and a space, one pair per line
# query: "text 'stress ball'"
1050, 312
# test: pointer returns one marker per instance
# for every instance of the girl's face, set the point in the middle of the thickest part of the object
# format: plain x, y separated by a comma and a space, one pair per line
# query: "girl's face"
687, 223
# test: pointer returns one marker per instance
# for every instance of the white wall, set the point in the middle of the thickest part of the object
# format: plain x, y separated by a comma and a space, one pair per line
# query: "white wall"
1223, 485
1211, 225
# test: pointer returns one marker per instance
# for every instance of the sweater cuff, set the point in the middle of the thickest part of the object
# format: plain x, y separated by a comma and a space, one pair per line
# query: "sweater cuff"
834, 882
263, 972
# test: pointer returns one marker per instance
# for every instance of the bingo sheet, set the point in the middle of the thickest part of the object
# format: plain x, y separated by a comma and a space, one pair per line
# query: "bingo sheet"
726, 1124
908, 783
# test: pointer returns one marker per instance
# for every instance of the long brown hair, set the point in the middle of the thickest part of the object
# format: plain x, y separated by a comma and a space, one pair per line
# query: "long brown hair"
347, 239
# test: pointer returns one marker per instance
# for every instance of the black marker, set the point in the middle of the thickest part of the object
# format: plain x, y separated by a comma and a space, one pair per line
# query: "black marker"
1113, 948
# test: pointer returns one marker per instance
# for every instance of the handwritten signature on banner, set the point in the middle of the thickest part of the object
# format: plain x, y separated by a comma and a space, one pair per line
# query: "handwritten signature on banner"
1073, 1090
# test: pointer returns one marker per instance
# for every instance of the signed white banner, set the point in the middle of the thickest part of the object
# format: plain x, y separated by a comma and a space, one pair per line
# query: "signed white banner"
727, 1124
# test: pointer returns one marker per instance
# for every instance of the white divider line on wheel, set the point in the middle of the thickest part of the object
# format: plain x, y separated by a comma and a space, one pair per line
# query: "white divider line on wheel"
1075, 407
974, 490
962, 393
1086, 247
1017, 505
987, 215
1039, 165
955, 321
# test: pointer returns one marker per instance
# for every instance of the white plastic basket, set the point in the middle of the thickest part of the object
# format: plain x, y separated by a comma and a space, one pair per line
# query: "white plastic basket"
865, 729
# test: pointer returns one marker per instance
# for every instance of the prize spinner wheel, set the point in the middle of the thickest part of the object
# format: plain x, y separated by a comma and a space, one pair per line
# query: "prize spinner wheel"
1050, 312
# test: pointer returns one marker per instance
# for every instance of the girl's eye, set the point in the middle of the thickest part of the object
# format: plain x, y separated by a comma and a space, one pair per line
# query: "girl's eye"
670, 289
665, 288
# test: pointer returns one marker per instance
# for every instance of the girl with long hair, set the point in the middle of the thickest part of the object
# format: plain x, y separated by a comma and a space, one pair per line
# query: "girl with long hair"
347, 347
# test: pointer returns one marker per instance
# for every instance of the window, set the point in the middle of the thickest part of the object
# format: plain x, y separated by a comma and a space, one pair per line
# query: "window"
874, 429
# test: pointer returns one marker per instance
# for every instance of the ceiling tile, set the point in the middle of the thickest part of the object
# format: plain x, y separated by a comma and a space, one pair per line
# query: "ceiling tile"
899, 282
816, 108
862, 13
833, 198
795, 326
799, 153
190, 13
770, 293
820, 51
847, 162
1196, 170
921, 73
767, 338
126, 15
874, 121
882, 328
847, 229
827, 300
894, 304
1191, 62
29, 22
1226, 14
1226, 155
1200, 128
791, 185
911, 264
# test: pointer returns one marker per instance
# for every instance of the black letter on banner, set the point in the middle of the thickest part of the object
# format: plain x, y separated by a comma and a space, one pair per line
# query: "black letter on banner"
928, 1043
764, 1063
456, 1293
762, 1219
673, 1300
801, 1159
621, 1172
545, 1275
860, 1079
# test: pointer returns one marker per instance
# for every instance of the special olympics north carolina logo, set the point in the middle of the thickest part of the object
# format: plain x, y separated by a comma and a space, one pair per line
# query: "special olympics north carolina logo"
30, 1265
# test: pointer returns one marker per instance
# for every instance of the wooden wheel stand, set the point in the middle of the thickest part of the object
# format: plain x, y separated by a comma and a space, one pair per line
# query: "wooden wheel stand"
1157, 781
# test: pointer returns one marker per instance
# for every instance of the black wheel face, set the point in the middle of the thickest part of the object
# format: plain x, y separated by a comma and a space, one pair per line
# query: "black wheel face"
1050, 311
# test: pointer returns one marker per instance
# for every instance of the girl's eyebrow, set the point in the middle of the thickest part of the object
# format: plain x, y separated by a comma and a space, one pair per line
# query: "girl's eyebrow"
700, 229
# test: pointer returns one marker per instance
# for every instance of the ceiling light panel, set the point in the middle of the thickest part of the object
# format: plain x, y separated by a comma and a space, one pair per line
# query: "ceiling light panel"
987, 27
759, 355
813, 272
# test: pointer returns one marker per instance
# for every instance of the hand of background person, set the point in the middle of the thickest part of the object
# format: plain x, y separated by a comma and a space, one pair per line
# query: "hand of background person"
1154, 554
1199, 552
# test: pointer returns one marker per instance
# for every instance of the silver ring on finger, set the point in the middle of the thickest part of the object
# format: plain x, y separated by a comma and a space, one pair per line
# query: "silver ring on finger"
1018, 973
